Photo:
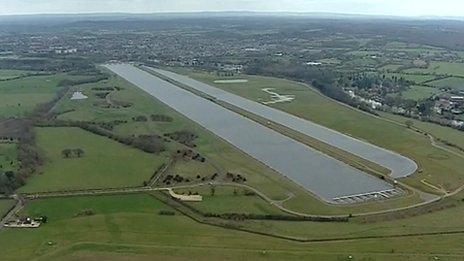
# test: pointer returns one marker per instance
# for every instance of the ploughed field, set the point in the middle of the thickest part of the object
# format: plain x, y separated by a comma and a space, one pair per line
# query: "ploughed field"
327, 177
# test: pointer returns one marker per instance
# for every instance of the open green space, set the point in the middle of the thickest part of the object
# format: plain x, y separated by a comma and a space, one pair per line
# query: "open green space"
192, 168
391, 67
20, 96
228, 199
437, 166
8, 157
105, 163
440, 68
438, 221
444, 133
129, 227
5, 205
9, 74
456, 83
417, 92
417, 78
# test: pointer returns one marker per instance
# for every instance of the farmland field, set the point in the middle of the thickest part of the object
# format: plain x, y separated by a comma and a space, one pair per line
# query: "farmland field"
416, 78
20, 96
8, 157
451, 82
132, 226
5, 205
105, 163
417, 92
230, 200
9, 74
442, 132
440, 68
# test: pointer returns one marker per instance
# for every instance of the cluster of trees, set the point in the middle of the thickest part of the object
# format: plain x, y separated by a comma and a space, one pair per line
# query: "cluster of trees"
140, 118
85, 212
28, 156
154, 117
106, 89
93, 79
367, 81
8, 182
174, 179
235, 177
204, 178
72, 153
109, 125
245, 216
49, 64
161, 118
190, 154
184, 137
166, 213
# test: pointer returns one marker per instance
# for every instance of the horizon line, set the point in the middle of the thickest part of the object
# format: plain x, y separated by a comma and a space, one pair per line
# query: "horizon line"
238, 12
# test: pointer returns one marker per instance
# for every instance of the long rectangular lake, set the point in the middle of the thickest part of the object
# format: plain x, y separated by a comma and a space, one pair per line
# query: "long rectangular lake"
399, 165
326, 177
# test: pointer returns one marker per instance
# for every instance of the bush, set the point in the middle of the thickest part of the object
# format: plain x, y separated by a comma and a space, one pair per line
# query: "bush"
84, 212
166, 213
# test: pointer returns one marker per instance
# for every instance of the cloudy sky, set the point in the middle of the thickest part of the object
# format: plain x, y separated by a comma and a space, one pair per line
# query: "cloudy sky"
375, 7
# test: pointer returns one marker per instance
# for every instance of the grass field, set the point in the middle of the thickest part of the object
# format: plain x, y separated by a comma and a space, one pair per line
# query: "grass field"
105, 163
437, 166
390, 67
417, 92
440, 68
5, 205
440, 221
230, 200
130, 228
451, 82
19, 97
417, 78
8, 157
445, 133
9, 74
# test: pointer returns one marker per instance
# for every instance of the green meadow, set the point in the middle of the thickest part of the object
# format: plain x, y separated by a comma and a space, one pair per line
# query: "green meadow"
104, 164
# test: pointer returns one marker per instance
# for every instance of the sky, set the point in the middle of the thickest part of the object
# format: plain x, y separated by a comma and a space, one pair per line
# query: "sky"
372, 7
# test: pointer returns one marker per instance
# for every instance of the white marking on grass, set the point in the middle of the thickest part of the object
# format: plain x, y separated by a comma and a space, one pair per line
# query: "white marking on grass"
231, 81
78, 96
276, 98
